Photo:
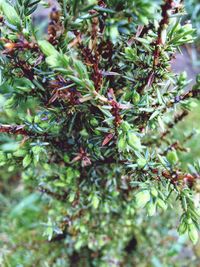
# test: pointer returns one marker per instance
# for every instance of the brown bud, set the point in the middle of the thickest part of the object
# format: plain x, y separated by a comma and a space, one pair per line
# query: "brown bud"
10, 46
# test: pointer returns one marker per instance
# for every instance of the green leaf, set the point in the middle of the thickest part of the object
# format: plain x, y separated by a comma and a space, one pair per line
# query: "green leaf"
182, 229
10, 13
2, 156
133, 140
47, 48
102, 9
142, 198
172, 157
151, 208
122, 144
77, 80
193, 233
141, 162
27, 160
95, 201
154, 114
81, 69
161, 204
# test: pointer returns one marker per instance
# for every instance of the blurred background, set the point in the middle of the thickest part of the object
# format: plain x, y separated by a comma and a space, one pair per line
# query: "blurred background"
23, 214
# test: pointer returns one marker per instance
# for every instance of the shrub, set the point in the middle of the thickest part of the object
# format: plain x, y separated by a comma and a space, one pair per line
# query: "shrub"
87, 119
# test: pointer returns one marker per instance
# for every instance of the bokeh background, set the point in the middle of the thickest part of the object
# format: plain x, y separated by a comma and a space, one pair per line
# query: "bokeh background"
24, 212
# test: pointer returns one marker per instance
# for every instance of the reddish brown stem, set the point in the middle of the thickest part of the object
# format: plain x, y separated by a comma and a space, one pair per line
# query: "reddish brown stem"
177, 119
13, 129
163, 23
168, 5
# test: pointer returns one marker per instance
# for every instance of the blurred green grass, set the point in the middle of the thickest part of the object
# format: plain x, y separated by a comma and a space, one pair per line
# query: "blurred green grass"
22, 243
184, 128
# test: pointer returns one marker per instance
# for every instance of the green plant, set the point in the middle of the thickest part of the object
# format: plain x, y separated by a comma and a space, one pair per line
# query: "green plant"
89, 108
193, 9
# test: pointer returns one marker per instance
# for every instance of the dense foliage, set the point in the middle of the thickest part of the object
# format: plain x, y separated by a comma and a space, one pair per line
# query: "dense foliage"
88, 110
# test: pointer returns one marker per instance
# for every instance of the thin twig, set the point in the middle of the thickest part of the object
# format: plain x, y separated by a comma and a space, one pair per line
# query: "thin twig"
13, 129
